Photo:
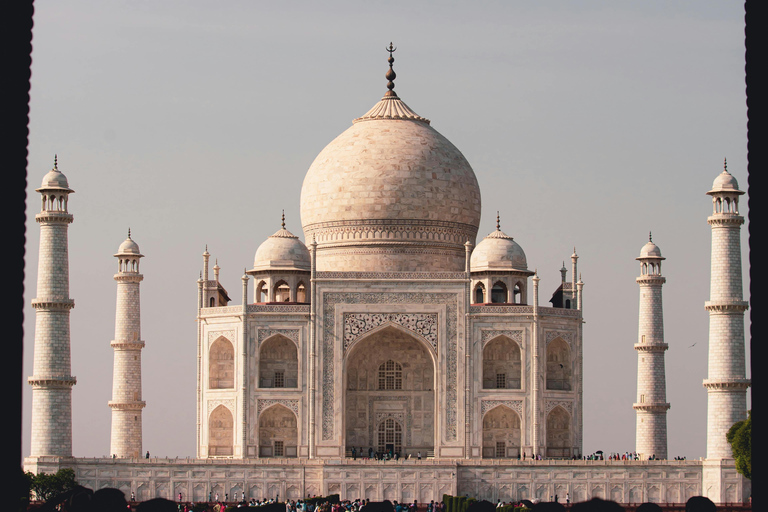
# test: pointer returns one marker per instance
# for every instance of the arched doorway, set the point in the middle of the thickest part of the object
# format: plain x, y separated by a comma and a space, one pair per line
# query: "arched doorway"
558, 433
389, 394
278, 432
501, 433
221, 432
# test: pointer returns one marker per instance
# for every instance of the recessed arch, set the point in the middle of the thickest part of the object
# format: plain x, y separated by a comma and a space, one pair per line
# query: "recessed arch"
301, 292
502, 433
559, 433
397, 327
221, 434
281, 292
413, 406
262, 292
221, 364
558, 365
278, 432
479, 293
502, 364
278, 362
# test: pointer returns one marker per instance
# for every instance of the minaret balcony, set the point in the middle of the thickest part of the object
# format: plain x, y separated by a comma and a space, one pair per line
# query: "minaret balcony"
652, 406
651, 347
727, 384
726, 306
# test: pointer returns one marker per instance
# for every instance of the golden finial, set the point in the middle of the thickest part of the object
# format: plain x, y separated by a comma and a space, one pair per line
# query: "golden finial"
391, 75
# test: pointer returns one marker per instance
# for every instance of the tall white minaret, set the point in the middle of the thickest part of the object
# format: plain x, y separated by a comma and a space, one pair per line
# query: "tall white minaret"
126, 403
52, 380
651, 406
726, 381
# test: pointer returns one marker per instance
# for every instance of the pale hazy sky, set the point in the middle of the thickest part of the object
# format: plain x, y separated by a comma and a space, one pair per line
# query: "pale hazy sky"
587, 123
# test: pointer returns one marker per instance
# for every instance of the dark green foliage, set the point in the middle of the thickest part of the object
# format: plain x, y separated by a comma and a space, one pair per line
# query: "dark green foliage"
740, 438
46, 486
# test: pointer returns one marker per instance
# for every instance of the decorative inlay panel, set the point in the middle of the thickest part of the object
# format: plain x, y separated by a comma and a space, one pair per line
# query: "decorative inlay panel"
357, 324
214, 335
567, 336
229, 403
565, 404
515, 405
263, 404
277, 308
488, 335
291, 334
331, 300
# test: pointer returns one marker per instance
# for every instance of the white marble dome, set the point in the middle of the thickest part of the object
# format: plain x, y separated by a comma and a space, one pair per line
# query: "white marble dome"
498, 251
55, 179
282, 251
650, 250
129, 247
725, 182
390, 194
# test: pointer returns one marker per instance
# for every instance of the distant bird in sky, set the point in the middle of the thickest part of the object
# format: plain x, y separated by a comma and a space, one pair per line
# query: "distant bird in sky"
693, 345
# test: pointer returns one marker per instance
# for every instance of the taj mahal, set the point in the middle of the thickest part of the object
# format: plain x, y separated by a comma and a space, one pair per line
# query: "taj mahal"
391, 328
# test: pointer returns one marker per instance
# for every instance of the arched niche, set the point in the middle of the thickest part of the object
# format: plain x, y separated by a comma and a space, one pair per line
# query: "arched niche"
278, 432
301, 293
502, 433
262, 292
389, 436
403, 358
559, 440
502, 367
278, 363
479, 294
221, 364
558, 365
221, 435
282, 292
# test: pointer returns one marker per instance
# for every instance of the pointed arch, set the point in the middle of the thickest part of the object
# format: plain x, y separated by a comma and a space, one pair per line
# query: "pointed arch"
262, 292
281, 292
559, 434
221, 364
502, 364
479, 295
502, 433
559, 365
301, 292
278, 363
221, 432
499, 293
278, 432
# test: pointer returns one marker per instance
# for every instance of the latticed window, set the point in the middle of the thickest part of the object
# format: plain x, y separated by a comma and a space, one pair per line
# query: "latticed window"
280, 379
390, 436
501, 449
278, 448
501, 381
390, 375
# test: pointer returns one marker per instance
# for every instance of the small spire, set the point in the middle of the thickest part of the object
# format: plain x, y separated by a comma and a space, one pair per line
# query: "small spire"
391, 75
725, 165
650, 237
129, 233
498, 221
283, 221
55, 162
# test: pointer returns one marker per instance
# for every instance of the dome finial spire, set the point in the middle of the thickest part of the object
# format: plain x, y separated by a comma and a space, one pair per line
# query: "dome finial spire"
391, 75
129, 232
725, 165
56, 161
283, 220
650, 237
498, 221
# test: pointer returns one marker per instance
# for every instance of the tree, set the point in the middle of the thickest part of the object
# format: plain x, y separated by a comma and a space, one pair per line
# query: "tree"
740, 438
46, 486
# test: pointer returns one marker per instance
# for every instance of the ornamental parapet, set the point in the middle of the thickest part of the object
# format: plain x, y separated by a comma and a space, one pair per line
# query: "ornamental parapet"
127, 345
54, 217
128, 277
724, 219
651, 347
131, 405
727, 384
651, 406
278, 308
53, 304
726, 306
394, 276
52, 382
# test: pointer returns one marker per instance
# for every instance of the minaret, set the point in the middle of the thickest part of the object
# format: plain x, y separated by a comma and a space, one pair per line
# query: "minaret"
651, 406
52, 380
126, 403
726, 381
